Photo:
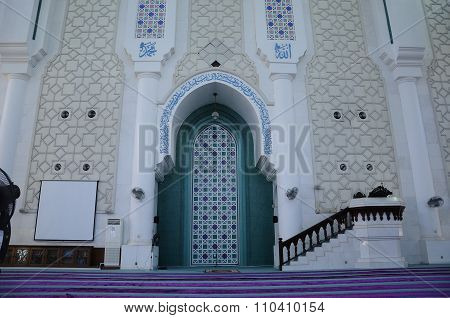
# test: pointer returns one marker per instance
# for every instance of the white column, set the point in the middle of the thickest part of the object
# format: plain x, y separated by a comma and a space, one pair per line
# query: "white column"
10, 119
137, 254
418, 153
283, 130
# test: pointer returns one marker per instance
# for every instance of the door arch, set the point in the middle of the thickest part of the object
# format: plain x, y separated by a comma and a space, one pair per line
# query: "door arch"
212, 232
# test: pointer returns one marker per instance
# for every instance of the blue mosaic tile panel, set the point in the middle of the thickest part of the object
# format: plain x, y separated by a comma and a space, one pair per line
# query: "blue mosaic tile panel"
151, 19
280, 20
215, 216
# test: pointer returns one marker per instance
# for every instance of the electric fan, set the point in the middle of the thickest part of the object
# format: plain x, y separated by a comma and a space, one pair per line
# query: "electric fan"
9, 192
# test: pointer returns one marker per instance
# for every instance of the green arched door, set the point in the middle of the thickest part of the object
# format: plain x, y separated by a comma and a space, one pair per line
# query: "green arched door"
215, 209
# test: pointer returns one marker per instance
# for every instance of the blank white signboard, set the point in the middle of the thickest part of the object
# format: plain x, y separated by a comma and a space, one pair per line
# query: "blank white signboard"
66, 211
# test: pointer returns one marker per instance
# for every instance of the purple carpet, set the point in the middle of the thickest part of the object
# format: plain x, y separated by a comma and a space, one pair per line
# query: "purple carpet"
411, 282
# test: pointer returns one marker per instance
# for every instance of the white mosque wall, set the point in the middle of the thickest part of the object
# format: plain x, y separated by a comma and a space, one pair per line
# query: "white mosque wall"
375, 34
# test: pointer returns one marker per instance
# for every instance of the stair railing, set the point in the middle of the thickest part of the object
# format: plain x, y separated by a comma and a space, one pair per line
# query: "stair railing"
331, 227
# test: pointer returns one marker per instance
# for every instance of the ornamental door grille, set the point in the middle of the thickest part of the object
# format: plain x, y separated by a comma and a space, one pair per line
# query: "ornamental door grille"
215, 215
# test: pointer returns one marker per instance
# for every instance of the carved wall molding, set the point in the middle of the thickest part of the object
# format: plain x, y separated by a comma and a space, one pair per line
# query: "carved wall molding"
215, 77
352, 139
77, 124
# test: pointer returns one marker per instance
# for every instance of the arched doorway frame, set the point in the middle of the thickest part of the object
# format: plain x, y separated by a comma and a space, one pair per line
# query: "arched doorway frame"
235, 124
258, 109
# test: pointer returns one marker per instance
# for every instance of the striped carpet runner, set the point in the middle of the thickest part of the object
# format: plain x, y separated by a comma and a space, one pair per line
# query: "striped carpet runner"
411, 282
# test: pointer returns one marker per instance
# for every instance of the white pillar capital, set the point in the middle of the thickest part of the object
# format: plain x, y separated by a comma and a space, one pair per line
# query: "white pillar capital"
408, 63
19, 76
406, 79
278, 76
154, 75
14, 58
409, 56
404, 73
282, 70
148, 68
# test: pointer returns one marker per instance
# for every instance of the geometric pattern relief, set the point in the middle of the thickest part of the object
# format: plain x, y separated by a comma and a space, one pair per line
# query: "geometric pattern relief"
79, 110
437, 14
353, 143
215, 223
280, 20
216, 36
151, 19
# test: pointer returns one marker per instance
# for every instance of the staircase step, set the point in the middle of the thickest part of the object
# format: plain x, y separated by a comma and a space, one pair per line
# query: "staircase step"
342, 238
339, 252
319, 251
426, 281
322, 260
311, 256
335, 242
302, 260
328, 247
